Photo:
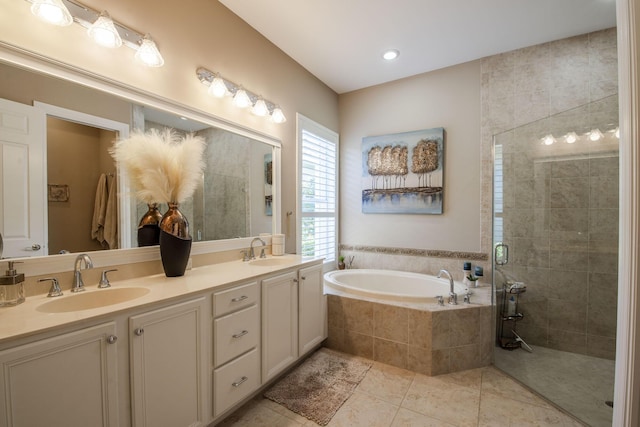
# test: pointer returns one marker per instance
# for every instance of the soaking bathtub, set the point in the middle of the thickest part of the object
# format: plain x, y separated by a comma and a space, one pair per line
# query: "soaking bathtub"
391, 285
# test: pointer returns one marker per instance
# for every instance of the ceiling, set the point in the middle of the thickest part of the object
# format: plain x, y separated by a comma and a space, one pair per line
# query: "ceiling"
341, 41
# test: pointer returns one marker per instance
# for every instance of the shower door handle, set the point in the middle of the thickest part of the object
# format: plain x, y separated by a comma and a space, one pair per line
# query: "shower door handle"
501, 254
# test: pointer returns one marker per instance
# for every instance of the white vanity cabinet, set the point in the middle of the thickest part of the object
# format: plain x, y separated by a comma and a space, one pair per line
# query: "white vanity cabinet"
312, 309
66, 380
236, 345
279, 323
168, 366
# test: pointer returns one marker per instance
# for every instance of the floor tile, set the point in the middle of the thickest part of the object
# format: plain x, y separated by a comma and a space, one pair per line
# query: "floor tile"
407, 418
387, 382
363, 410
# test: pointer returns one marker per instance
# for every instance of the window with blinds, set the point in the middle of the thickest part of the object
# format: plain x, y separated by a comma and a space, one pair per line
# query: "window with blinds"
318, 190
498, 195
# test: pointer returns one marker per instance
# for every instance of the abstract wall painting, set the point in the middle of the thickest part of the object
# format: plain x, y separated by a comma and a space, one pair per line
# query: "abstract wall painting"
403, 173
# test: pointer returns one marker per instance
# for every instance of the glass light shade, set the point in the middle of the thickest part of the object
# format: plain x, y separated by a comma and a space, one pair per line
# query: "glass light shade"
52, 11
595, 135
571, 137
104, 32
218, 87
277, 116
148, 53
548, 140
241, 99
260, 108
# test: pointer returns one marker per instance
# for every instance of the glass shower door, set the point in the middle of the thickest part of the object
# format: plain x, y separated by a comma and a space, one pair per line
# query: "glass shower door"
555, 267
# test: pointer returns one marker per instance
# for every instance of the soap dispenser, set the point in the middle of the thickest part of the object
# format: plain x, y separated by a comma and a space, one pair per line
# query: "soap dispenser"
11, 287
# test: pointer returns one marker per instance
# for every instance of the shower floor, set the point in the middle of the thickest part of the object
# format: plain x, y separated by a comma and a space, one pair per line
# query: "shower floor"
577, 383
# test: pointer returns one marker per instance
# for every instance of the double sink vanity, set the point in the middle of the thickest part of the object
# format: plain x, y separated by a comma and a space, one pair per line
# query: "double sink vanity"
158, 351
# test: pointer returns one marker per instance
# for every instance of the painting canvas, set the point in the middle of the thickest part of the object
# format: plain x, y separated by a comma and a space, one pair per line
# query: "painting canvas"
403, 173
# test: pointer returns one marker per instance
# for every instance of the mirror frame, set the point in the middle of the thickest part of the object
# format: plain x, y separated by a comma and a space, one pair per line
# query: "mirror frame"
22, 58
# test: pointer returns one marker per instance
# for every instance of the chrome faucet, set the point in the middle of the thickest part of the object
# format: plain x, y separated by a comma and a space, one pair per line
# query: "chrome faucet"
252, 254
453, 297
78, 284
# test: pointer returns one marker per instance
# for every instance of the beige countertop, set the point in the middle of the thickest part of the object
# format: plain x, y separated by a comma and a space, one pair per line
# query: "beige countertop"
28, 318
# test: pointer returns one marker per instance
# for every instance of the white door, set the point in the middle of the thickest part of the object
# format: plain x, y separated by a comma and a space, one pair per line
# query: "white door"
23, 210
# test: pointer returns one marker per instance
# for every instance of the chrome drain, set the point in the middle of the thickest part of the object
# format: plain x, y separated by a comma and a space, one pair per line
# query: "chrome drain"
609, 403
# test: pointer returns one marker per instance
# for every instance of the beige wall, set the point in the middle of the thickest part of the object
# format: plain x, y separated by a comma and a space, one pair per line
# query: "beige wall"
448, 98
191, 34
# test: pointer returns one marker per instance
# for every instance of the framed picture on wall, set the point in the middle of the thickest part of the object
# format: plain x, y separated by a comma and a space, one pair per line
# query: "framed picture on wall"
402, 173
58, 193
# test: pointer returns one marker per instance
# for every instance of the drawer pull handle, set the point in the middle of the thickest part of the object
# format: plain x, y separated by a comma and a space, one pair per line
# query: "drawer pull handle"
238, 299
111, 339
238, 383
138, 331
241, 334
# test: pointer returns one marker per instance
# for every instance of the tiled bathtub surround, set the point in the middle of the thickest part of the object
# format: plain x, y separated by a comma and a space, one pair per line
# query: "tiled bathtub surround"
432, 341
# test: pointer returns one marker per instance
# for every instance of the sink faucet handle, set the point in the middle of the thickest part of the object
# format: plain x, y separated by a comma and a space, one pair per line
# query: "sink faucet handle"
104, 280
440, 300
467, 297
55, 290
245, 255
262, 254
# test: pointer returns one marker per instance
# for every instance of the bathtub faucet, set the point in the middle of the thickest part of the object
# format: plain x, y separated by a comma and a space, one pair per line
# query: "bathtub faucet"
453, 297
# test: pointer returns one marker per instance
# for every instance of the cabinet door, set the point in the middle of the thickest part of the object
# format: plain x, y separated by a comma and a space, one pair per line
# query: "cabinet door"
279, 324
312, 309
67, 380
168, 366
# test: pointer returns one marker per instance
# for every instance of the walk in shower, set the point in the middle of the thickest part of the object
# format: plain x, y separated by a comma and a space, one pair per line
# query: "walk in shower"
555, 222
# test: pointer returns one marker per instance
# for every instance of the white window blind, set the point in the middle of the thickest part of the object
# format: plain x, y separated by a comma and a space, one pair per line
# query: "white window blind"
318, 190
498, 194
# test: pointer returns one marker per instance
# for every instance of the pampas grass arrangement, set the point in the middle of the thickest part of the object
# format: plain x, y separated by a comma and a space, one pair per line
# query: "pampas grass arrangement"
162, 166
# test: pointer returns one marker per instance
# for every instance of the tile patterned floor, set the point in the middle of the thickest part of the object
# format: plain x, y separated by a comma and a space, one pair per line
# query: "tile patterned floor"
393, 397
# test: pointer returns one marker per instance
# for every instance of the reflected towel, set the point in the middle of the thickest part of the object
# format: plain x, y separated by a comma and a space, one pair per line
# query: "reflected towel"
99, 210
111, 216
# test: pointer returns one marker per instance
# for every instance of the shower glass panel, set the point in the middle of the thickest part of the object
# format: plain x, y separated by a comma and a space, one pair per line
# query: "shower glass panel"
555, 222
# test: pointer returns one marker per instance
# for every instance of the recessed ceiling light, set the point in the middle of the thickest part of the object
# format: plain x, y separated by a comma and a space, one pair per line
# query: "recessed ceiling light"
391, 54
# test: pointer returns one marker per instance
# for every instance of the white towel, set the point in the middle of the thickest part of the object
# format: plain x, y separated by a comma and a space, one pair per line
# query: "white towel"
99, 210
111, 216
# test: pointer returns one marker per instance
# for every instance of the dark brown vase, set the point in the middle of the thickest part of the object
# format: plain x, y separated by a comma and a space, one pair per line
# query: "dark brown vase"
149, 226
175, 242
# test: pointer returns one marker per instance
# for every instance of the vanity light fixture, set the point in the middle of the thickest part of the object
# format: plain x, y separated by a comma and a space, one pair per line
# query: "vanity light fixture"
571, 137
103, 32
219, 87
100, 27
148, 52
52, 11
548, 140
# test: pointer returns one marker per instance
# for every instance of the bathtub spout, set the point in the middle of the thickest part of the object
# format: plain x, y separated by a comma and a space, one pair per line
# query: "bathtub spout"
453, 297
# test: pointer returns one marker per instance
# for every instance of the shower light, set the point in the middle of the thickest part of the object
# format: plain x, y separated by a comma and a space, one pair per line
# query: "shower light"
571, 137
595, 135
52, 11
104, 32
548, 140
148, 53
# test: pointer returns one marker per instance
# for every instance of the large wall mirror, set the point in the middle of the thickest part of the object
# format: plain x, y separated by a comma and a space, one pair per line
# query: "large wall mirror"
236, 199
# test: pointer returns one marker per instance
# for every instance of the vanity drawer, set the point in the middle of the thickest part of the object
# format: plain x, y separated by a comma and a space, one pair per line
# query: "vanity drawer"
235, 381
235, 298
235, 334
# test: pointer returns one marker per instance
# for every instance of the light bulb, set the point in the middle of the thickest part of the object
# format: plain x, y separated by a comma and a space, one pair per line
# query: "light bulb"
595, 135
260, 108
52, 11
241, 99
104, 32
148, 53
548, 140
391, 54
218, 87
571, 137
277, 116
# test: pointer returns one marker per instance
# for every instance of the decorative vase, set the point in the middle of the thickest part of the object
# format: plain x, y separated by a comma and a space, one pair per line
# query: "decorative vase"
341, 265
175, 241
149, 226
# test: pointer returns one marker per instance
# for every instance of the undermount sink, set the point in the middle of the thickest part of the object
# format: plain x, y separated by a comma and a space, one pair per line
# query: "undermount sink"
270, 262
93, 299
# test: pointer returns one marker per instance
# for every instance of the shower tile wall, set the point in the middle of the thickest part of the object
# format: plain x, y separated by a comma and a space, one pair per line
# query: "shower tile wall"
560, 209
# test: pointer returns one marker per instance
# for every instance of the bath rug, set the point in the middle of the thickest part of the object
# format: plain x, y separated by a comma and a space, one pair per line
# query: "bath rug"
320, 385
